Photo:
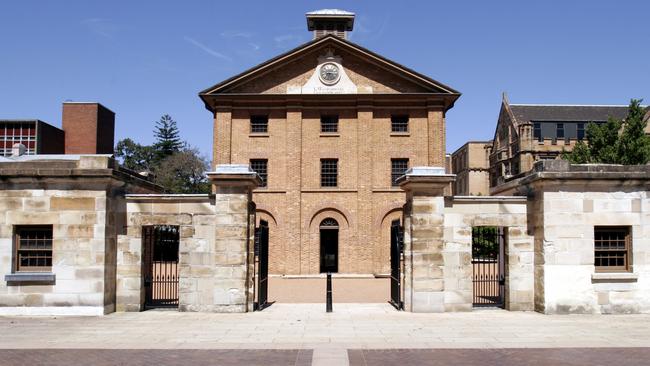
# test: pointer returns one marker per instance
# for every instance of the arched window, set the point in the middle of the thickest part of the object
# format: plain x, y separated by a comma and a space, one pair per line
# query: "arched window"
329, 223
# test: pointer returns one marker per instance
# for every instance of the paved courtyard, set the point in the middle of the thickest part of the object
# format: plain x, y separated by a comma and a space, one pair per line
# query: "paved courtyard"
354, 334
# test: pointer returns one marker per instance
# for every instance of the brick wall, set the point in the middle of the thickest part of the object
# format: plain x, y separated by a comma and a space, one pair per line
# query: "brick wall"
364, 201
89, 128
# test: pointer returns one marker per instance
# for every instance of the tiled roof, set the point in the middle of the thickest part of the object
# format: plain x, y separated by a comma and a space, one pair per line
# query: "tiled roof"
570, 113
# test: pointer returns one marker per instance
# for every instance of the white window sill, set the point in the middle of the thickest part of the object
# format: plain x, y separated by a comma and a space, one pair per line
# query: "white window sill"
258, 134
400, 134
614, 277
34, 277
330, 134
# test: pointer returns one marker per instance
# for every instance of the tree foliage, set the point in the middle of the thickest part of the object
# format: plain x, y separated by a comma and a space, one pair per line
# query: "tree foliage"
134, 156
168, 140
485, 242
615, 142
183, 172
175, 165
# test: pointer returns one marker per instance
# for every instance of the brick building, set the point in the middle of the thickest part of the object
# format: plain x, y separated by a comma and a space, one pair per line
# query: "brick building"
329, 126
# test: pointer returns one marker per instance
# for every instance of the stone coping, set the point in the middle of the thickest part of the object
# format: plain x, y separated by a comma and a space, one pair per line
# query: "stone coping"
234, 175
232, 169
427, 175
81, 169
426, 171
168, 197
505, 199
50, 157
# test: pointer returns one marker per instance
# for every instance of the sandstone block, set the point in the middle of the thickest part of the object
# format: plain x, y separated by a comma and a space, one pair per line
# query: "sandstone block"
72, 203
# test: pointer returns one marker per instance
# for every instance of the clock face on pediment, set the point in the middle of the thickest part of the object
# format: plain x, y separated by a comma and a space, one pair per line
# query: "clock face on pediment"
329, 73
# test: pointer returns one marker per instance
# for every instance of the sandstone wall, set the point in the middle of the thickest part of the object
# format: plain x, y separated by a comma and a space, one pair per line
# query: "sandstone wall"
214, 250
565, 249
438, 251
82, 252
508, 212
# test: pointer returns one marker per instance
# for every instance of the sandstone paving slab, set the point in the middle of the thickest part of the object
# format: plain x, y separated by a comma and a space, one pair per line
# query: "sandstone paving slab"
308, 326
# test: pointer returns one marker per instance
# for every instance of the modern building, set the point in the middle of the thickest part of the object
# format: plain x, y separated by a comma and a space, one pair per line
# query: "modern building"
470, 165
37, 136
329, 126
88, 128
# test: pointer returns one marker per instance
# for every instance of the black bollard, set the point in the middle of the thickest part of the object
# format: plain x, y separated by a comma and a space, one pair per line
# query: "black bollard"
328, 306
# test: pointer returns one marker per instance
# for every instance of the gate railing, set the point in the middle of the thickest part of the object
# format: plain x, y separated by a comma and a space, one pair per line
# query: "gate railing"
262, 264
160, 265
164, 284
488, 270
396, 248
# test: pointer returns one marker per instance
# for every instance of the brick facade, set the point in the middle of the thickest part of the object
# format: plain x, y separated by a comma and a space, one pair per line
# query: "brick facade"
364, 202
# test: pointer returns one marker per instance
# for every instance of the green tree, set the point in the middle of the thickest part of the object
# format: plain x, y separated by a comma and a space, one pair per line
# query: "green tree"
615, 142
581, 154
485, 241
633, 144
176, 166
168, 140
139, 158
183, 172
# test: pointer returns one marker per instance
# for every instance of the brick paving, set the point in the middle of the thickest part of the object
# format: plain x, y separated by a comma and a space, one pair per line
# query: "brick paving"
121, 357
502, 357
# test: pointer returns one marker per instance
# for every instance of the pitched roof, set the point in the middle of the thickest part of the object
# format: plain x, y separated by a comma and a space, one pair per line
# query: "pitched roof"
569, 113
433, 85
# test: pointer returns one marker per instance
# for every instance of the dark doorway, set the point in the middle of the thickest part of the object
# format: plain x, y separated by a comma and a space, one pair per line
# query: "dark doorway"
262, 262
396, 248
488, 266
160, 265
329, 246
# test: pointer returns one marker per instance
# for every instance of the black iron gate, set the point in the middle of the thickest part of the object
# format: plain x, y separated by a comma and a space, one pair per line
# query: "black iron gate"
488, 266
396, 248
262, 260
160, 265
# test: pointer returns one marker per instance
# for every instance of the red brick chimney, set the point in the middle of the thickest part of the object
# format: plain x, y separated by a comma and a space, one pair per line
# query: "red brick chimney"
89, 128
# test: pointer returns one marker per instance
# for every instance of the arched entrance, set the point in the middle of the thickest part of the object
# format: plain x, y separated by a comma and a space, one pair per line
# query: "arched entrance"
329, 245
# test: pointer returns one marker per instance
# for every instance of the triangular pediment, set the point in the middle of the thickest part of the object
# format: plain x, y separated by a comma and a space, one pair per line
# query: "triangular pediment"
329, 65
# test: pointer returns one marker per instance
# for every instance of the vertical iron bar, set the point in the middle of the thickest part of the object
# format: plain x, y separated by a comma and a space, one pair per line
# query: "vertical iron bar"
328, 306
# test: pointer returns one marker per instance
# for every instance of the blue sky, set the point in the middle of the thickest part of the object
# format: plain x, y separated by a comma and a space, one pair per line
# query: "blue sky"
143, 59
